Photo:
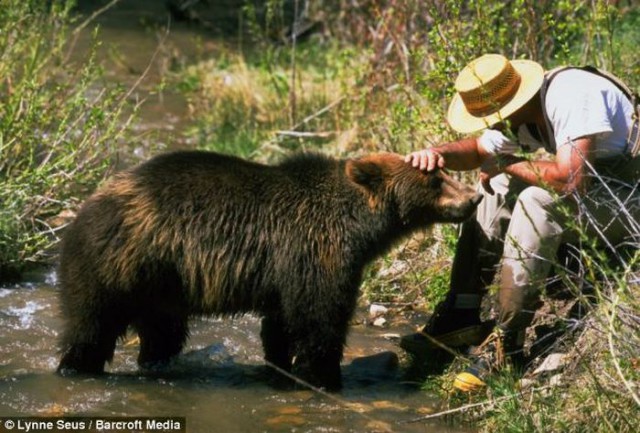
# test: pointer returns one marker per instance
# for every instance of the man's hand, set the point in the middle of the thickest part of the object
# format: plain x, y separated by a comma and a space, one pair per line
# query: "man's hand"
493, 166
489, 169
427, 159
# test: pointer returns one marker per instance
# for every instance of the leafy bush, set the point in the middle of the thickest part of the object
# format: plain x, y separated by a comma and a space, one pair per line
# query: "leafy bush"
58, 127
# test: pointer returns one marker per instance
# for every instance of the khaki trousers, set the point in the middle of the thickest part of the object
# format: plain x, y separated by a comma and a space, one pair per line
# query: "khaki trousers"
522, 227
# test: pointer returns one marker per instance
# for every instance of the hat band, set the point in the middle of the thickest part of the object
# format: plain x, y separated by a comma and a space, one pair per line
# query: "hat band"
490, 97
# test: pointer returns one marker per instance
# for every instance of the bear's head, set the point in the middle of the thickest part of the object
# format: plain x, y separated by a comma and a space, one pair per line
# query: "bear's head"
419, 197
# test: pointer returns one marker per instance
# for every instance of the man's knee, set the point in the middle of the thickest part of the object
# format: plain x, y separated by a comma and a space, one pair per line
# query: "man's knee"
535, 217
534, 198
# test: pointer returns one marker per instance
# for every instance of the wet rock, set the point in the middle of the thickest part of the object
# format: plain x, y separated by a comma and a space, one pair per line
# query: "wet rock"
380, 362
380, 322
285, 420
426, 410
132, 340
53, 409
289, 410
376, 311
552, 363
379, 426
358, 407
549, 371
386, 404
391, 336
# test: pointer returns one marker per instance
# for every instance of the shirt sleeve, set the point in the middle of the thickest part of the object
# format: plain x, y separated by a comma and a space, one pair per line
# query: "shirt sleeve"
577, 109
495, 142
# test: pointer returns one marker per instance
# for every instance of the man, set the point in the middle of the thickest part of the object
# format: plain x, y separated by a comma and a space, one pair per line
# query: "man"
582, 118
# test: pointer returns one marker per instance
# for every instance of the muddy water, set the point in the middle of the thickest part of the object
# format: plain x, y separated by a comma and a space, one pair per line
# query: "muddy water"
218, 383
141, 48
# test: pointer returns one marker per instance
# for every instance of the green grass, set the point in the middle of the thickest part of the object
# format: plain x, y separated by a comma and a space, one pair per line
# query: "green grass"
252, 105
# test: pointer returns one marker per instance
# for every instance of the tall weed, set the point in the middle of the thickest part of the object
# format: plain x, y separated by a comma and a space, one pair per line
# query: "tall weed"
59, 125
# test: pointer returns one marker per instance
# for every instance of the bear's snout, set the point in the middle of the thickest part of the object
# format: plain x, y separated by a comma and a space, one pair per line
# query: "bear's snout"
467, 209
458, 201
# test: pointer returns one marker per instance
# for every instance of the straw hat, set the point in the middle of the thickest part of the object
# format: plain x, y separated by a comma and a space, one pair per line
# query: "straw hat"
491, 88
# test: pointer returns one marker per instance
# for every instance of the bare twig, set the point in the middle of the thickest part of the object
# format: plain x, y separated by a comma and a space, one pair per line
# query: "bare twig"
148, 68
298, 134
318, 113
94, 15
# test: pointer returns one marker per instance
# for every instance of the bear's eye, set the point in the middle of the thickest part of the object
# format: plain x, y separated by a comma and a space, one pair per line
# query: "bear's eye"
434, 182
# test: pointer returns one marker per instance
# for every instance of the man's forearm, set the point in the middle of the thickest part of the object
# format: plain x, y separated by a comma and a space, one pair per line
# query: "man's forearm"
462, 155
542, 173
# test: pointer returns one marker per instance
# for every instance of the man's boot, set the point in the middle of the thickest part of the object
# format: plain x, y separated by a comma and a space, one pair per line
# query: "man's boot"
496, 351
454, 325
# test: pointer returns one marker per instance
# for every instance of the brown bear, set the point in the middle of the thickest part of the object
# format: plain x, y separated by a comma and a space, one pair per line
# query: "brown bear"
197, 233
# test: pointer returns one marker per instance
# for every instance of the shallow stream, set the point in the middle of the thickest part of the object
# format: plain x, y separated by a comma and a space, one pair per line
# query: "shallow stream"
218, 383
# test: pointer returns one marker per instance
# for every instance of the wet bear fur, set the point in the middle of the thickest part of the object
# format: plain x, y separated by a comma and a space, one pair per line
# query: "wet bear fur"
197, 233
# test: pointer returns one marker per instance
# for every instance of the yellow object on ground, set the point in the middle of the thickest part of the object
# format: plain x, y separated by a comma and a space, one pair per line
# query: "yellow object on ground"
468, 382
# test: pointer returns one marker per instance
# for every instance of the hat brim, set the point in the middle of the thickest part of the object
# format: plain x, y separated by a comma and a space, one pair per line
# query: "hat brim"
531, 75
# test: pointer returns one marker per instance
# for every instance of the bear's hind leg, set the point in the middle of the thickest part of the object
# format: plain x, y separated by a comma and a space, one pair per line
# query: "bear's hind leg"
162, 336
88, 344
277, 351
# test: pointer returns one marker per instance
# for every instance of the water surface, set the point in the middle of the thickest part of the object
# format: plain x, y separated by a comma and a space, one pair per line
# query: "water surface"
218, 383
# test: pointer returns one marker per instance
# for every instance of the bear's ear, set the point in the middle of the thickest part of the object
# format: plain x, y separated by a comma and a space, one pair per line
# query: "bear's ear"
364, 172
